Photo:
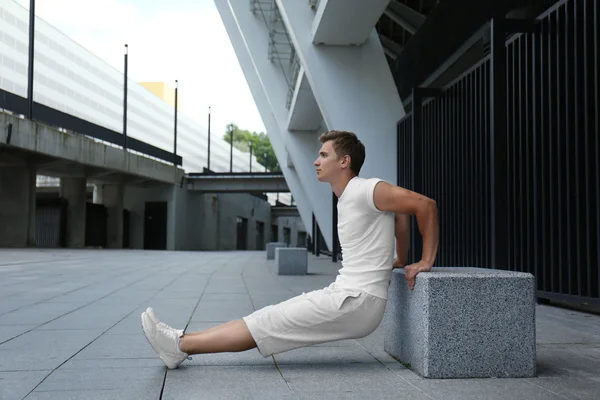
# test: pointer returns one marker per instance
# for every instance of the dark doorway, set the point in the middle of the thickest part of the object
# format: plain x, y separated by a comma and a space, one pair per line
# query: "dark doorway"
286, 236
301, 239
242, 233
155, 225
274, 233
260, 235
126, 244
50, 222
95, 225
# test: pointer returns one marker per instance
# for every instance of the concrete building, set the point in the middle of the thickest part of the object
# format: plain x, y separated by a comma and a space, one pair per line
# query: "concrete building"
97, 186
163, 91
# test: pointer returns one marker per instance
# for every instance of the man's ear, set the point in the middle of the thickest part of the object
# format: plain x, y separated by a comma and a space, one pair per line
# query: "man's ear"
346, 161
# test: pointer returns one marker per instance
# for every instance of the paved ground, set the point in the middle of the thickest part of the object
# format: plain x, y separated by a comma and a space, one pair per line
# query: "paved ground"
70, 329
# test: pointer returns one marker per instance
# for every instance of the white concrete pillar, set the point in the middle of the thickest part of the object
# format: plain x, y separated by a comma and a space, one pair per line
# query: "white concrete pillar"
98, 194
112, 198
17, 206
353, 85
250, 40
74, 190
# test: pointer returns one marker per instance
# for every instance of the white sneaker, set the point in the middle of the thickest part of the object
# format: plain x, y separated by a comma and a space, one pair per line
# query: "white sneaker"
164, 342
154, 318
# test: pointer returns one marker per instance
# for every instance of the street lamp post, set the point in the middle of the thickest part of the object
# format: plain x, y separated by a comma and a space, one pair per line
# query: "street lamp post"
208, 167
265, 158
250, 155
31, 59
230, 147
125, 100
175, 133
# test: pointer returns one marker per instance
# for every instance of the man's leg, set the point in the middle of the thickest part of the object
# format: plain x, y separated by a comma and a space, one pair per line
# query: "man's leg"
232, 336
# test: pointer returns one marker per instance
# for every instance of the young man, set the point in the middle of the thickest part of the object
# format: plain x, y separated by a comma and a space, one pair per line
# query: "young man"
370, 211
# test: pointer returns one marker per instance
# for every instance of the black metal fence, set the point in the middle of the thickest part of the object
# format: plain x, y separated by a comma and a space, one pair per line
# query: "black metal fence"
50, 222
510, 152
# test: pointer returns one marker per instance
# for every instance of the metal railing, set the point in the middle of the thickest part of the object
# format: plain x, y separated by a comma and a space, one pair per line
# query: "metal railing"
281, 49
510, 152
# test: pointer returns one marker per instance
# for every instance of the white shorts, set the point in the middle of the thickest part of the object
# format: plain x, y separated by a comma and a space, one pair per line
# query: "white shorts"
316, 317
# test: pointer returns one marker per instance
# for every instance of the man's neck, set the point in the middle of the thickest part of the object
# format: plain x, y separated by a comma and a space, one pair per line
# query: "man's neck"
339, 186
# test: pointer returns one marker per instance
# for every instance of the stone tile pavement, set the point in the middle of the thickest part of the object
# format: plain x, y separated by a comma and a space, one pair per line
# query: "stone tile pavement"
70, 329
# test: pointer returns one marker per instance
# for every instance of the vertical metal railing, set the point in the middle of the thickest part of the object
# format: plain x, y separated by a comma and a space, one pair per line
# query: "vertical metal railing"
520, 193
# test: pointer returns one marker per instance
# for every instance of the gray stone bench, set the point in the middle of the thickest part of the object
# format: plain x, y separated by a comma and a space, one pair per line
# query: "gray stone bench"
271, 249
291, 261
463, 323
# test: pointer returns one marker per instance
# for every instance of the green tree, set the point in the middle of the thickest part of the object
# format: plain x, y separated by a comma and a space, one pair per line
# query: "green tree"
261, 145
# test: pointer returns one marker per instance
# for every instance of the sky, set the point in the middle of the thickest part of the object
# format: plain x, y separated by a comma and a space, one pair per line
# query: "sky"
168, 40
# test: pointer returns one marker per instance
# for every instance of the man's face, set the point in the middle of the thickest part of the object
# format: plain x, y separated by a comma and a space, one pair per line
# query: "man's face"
329, 165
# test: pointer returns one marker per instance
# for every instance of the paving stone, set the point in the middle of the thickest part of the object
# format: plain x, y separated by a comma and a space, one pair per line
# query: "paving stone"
371, 394
140, 378
574, 388
149, 391
341, 377
318, 355
118, 346
189, 379
36, 314
250, 357
16, 384
41, 340
477, 389
112, 363
225, 394
10, 331
568, 356
89, 317
32, 359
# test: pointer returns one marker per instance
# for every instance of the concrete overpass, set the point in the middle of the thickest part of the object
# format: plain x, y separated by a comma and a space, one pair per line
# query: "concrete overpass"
243, 182
284, 211
54, 152
29, 148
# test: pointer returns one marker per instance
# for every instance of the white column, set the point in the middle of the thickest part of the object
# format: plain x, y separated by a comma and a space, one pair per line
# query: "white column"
113, 196
353, 87
73, 190
249, 37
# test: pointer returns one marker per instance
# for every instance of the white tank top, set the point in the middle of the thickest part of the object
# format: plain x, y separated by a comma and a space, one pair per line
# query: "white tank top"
367, 239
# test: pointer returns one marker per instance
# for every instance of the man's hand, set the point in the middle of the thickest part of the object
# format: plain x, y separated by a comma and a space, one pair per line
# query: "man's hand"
411, 271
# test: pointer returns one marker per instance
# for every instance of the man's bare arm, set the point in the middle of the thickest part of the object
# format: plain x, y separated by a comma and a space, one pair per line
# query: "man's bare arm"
402, 230
402, 201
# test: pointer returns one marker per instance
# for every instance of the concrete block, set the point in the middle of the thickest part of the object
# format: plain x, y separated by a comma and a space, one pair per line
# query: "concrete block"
463, 323
271, 249
291, 261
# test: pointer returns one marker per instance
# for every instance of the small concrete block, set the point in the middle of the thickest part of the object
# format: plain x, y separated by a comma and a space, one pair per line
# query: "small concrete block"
271, 249
463, 323
291, 261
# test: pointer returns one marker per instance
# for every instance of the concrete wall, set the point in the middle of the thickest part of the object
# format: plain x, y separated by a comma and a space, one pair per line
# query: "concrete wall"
195, 221
135, 201
294, 224
78, 151
17, 206
74, 191
212, 220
